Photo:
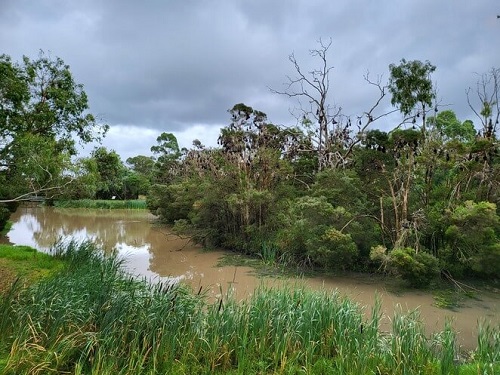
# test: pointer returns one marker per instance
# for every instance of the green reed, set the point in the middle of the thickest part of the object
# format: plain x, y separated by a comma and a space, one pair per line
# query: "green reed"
93, 318
134, 204
488, 348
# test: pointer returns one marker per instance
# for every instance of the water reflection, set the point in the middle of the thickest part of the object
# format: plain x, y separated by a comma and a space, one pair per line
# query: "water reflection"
150, 251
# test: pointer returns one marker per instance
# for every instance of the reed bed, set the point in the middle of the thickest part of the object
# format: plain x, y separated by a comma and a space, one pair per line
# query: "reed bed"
93, 318
136, 204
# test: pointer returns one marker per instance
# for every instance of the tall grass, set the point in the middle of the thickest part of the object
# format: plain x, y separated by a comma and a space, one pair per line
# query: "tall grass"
92, 318
136, 204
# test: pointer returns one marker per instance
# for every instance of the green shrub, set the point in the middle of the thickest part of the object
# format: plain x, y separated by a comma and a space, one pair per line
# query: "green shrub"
309, 232
472, 238
333, 249
418, 268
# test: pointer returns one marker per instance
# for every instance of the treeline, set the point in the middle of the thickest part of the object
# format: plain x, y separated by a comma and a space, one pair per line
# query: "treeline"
406, 201
332, 192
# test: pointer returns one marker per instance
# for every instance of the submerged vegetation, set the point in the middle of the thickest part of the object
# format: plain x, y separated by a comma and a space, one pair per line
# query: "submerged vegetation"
93, 318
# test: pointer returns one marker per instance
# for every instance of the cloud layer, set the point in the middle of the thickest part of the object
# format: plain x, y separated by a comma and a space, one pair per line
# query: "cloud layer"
177, 66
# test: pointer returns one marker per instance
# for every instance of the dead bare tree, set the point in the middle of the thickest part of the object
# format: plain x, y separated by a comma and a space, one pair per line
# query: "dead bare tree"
336, 134
488, 93
314, 86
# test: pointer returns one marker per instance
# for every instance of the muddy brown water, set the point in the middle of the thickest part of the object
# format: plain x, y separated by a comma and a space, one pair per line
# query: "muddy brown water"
154, 253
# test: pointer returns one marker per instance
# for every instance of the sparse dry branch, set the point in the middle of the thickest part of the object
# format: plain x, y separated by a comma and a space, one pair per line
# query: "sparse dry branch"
37, 191
487, 91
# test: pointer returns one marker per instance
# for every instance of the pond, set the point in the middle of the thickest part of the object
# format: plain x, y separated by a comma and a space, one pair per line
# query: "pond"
155, 253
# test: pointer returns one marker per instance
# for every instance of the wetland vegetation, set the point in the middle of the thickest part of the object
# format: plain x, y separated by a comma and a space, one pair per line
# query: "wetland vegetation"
90, 317
135, 204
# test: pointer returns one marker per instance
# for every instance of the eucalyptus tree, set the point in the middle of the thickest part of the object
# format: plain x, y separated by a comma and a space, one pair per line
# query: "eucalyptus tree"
256, 164
141, 164
43, 112
450, 128
111, 172
167, 154
141, 173
405, 173
412, 90
256, 147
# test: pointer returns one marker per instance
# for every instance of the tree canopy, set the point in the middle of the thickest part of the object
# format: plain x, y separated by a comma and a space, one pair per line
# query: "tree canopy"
42, 108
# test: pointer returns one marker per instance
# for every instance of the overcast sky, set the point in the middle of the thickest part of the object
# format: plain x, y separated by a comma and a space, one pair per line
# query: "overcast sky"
177, 66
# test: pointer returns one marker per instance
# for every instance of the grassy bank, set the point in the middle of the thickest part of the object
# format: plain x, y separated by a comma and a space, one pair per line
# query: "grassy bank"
102, 204
26, 265
92, 318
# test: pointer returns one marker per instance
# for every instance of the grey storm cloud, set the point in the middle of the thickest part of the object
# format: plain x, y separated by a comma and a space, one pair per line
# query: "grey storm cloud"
170, 65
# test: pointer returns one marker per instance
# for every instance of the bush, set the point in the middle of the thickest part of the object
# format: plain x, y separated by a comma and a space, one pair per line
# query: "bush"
333, 249
472, 238
418, 269
4, 216
309, 233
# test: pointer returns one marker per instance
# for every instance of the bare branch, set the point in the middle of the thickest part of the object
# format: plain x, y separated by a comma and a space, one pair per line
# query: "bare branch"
487, 91
28, 196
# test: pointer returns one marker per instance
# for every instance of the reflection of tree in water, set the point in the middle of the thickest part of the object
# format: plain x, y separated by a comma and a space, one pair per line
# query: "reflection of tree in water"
48, 225
30, 221
148, 250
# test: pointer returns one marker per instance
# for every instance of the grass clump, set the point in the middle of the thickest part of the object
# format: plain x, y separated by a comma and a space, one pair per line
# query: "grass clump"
93, 318
136, 204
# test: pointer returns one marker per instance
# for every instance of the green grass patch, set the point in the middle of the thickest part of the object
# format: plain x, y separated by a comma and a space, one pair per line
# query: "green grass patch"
137, 204
3, 361
27, 263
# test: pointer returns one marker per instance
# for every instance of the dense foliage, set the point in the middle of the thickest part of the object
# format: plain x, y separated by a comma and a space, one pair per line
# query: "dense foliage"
418, 201
43, 112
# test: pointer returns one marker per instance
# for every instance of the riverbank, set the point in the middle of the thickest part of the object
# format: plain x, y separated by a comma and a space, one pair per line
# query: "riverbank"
153, 252
91, 317
448, 294
25, 265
